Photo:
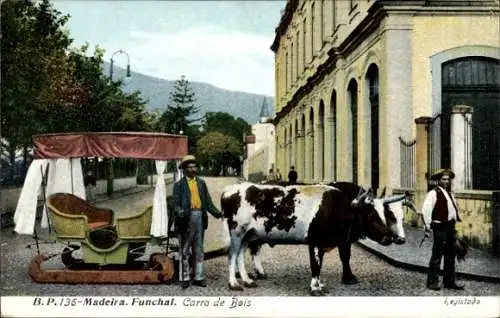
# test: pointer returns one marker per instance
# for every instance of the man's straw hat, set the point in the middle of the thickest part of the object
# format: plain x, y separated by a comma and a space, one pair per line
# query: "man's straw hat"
440, 172
187, 159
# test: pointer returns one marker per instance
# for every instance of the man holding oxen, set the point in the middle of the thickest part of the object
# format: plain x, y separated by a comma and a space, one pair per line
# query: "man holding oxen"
192, 201
440, 215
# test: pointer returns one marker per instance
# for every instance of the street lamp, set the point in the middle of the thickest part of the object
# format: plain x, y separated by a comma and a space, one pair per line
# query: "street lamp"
112, 63
110, 162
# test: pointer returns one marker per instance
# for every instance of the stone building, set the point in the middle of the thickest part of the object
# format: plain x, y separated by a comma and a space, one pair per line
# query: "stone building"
260, 146
383, 92
354, 76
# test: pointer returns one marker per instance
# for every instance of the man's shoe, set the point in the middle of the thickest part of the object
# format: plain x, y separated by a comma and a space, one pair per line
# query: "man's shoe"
185, 284
434, 286
454, 286
200, 283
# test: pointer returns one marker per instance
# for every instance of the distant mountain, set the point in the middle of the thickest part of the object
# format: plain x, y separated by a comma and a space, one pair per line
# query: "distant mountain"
209, 97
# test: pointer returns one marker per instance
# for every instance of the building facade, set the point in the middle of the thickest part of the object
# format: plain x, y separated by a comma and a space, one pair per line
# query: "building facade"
260, 154
354, 77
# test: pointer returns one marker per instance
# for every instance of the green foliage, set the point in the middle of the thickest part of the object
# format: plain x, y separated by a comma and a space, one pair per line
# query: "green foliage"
49, 87
35, 68
236, 128
178, 115
216, 151
226, 124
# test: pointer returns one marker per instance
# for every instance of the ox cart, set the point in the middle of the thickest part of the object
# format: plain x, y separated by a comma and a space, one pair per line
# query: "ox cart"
111, 244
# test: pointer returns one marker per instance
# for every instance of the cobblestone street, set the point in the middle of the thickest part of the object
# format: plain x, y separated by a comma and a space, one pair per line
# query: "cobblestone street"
287, 267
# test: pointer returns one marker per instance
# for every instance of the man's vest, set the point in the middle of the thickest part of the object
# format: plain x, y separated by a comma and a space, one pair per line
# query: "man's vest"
440, 211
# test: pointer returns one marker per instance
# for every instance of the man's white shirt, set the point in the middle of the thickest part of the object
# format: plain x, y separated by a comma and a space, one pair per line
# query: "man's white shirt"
430, 201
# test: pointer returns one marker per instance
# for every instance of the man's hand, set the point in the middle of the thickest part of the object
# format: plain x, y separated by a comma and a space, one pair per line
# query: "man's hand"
180, 213
427, 232
219, 215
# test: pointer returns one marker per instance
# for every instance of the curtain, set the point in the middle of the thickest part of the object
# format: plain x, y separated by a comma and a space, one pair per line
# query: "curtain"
25, 214
77, 173
159, 226
65, 176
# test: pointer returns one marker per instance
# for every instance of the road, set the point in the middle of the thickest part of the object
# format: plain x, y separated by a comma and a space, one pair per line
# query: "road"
286, 266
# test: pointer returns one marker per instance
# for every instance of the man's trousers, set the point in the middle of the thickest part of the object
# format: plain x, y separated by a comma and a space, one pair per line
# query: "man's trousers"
192, 245
443, 245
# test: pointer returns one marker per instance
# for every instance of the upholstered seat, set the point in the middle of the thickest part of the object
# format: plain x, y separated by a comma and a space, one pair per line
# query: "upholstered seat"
98, 225
69, 204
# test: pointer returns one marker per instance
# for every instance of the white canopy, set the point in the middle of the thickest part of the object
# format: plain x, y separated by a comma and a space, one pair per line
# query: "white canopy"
64, 175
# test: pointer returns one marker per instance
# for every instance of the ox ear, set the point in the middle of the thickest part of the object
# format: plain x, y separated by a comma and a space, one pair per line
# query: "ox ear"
361, 197
369, 196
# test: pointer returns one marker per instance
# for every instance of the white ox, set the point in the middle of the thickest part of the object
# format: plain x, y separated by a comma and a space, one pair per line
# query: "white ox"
321, 216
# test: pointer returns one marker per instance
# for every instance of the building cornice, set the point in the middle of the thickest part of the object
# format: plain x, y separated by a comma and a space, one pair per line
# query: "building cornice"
376, 13
286, 19
355, 37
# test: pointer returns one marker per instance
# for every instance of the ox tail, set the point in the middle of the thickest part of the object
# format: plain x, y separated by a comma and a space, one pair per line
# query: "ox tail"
226, 239
226, 235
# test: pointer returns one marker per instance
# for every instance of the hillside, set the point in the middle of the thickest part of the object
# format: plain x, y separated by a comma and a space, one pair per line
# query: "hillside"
210, 98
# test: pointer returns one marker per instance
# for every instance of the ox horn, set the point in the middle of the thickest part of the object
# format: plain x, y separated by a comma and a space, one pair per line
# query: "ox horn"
383, 193
394, 198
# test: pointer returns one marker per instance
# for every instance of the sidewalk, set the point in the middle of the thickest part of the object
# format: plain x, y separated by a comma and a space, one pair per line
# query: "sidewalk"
478, 265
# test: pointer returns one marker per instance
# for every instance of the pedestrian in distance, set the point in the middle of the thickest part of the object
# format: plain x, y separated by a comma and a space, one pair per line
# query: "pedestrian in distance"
440, 215
192, 201
278, 176
292, 175
90, 183
271, 177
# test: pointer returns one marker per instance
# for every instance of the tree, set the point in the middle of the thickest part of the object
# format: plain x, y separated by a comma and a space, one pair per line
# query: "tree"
38, 83
49, 87
225, 123
178, 115
218, 151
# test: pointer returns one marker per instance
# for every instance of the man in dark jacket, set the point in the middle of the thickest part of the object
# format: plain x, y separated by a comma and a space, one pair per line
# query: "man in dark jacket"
440, 215
192, 201
292, 175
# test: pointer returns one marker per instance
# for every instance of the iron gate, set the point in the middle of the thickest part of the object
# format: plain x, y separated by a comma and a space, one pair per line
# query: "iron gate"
408, 163
433, 146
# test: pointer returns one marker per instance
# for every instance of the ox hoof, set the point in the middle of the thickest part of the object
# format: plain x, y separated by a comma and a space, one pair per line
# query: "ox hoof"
261, 276
317, 292
350, 280
257, 276
251, 284
235, 287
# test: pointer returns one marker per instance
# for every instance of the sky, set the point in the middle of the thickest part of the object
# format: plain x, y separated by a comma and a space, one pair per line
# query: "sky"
223, 43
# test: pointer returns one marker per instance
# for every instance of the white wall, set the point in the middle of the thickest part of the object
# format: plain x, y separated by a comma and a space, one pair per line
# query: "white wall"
9, 196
